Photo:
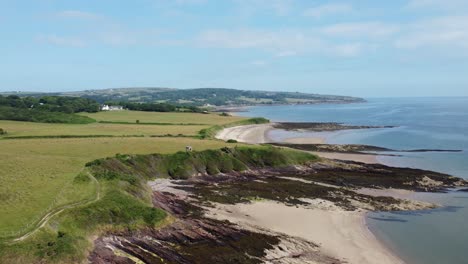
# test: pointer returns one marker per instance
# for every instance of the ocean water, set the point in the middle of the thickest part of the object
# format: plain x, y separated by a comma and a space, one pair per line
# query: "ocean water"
432, 236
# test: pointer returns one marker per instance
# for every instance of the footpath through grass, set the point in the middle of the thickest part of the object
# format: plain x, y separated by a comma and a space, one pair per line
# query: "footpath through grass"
125, 198
34, 171
39, 175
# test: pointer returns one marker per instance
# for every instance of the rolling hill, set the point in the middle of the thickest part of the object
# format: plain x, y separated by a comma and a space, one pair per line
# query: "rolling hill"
205, 96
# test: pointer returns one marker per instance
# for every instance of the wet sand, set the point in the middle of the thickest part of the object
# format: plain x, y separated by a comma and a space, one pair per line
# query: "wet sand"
341, 234
258, 134
253, 134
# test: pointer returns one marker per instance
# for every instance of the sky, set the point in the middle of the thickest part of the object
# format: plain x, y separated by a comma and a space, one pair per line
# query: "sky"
361, 48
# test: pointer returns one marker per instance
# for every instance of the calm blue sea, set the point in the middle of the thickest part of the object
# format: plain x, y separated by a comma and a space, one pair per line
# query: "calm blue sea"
423, 237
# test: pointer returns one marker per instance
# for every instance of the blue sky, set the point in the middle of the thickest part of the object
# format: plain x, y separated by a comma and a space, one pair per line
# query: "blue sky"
362, 48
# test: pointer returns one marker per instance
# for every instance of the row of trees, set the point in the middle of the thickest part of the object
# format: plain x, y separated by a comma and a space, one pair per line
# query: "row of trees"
36, 115
157, 107
62, 104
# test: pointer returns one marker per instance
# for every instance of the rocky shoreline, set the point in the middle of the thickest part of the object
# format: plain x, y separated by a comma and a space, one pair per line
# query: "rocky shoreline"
198, 233
300, 213
320, 127
355, 149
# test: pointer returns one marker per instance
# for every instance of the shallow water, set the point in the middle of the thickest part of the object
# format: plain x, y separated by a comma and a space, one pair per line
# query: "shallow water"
435, 236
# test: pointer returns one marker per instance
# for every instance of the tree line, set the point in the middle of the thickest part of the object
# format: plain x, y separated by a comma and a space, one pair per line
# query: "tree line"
157, 107
68, 105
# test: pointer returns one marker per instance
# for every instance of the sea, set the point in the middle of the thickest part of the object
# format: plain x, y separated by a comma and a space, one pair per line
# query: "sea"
436, 236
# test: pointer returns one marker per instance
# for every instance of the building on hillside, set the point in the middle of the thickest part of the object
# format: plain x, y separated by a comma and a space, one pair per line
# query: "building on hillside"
111, 108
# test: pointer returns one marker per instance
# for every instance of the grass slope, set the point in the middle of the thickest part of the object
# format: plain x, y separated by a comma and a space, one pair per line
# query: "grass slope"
34, 171
183, 165
125, 199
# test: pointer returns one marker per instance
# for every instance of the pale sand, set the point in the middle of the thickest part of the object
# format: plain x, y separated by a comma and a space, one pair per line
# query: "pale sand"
308, 140
395, 193
258, 134
340, 234
253, 134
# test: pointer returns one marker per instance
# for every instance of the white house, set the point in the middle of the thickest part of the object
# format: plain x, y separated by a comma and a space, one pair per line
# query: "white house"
111, 107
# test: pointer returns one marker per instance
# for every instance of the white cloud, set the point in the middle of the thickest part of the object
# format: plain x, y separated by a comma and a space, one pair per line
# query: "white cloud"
258, 63
273, 40
449, 32
286, 53
280, 43
190, 2
77, 15
328, 10
348, 49
62, 41
368, 29
278, 7
443, 4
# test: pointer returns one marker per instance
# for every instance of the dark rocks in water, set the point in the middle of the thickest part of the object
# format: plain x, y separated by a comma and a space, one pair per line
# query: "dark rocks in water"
463, 190
381, 176
354, 148
351, 148
432, 150
321, 127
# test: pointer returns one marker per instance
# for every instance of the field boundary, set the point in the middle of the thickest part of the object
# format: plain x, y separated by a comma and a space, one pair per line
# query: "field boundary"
152, 123
93, 136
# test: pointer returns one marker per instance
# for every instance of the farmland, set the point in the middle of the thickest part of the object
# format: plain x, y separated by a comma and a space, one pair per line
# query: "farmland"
37, 173
26, 129
122, 123
174, 118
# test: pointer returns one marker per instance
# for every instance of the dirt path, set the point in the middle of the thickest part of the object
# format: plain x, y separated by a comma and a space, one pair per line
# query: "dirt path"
58, 210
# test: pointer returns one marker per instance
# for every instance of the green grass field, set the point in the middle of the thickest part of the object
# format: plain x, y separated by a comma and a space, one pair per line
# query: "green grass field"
35, 170
152, 117
20, 129
23, 129
35, 173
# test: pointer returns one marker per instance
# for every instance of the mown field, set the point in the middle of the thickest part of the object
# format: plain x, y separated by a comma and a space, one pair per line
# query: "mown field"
22, 129
36, 173
188, 124
174, 118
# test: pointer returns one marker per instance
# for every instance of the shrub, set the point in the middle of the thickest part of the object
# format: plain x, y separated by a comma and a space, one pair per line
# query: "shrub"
2, 131
231, 141
81, 178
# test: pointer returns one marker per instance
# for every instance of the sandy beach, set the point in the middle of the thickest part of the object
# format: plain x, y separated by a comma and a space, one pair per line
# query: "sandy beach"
341, 234
258, 134
253, 134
